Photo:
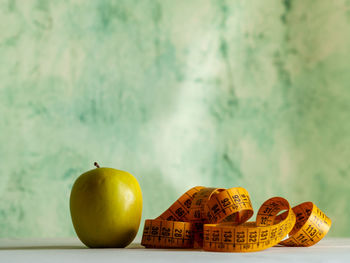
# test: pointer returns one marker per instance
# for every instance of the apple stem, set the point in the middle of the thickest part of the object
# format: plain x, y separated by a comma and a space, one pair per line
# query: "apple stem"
96, 164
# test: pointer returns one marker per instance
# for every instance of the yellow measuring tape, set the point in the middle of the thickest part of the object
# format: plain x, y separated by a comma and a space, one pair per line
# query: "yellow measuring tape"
215, 219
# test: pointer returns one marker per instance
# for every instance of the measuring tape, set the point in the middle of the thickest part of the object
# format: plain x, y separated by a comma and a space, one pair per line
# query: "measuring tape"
215, 219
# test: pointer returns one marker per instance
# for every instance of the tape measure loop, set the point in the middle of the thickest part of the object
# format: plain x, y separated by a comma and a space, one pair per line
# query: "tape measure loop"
311, 226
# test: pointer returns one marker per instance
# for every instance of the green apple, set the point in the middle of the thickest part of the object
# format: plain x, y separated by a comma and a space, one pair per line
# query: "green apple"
106, 207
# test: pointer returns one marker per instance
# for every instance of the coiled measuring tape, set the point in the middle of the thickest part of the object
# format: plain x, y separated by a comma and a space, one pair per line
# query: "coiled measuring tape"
215, 219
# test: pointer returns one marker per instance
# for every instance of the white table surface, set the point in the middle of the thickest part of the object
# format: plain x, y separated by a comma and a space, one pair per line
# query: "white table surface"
71, 250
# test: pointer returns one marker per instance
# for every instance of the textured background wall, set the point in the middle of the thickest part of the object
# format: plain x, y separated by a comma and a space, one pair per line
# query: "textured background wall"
179, 93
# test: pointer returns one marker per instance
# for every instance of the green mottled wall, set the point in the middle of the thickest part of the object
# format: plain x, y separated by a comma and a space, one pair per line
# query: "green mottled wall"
179, 93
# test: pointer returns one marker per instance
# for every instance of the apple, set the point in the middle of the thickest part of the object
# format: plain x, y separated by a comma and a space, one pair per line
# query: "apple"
106, 207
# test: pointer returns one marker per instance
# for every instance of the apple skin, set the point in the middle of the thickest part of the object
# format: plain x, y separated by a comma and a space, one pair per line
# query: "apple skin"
106, 208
